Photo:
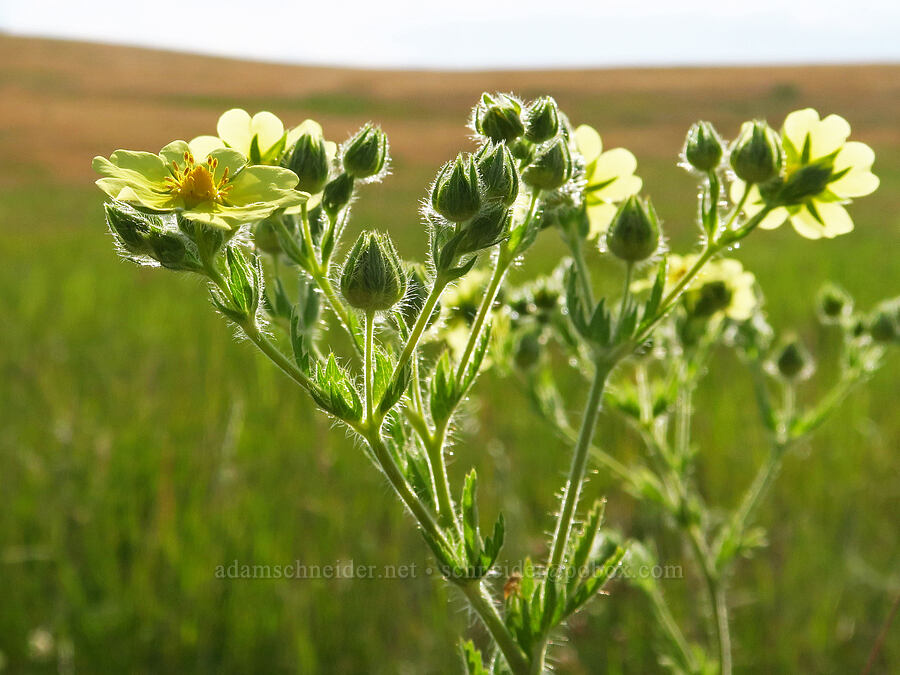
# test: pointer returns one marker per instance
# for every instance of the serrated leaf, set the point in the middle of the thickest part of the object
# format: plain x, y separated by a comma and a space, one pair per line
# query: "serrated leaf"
471, 534
574, 302
493, 544
442, 387
584, 543
472, 659
592, 585
600, 326
656, 293
472, 369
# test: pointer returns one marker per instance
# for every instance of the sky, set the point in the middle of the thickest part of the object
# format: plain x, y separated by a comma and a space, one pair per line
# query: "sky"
468, 34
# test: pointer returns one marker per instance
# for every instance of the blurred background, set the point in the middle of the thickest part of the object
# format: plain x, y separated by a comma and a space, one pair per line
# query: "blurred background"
142, 446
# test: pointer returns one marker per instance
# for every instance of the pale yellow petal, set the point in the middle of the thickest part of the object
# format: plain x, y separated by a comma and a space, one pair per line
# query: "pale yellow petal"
267, 128
859, 180
203, 145
613, 163
774, 219
234, 129
588, 142
618, 190
828, 136
837, 220
600, 216
798, 125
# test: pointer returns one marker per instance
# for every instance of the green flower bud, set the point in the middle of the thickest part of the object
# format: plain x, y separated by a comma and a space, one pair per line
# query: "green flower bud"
456, 194
498, 117
499, 176
265, 237
373, 279
309, 160
807, 181
485, 229
528, 351
703, 147
131, 226
542, 120
417, 288
337, 194
883, 326
793, 361
546, 297
366, 153
633, 234
168, 249
551, 168
710, 298
834, 304
756, 155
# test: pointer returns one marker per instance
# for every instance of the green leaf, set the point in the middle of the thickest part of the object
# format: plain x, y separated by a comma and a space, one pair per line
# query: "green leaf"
584, 543
605, 568
656, 293
442, 388
471, 534
471, 372
472, 659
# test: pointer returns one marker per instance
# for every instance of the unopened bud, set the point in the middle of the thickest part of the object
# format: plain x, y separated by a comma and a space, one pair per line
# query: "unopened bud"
551, 168
834, 304
703, 147
710, 298
309, 160
633, 234
542, 120
528, 351
883, 326
499, 176
456, 194
366, 153
485, 229
373, 279
756, 155
170, 251
265, 237
498, 117
337, 194
131, 226
793, 361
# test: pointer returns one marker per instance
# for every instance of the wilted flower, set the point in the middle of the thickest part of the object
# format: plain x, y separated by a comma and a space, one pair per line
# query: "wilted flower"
219, 189
609, 175
823, 171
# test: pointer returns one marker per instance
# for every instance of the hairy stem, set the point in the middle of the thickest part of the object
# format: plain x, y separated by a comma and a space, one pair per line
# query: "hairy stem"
487, 302
487, 612
572, 490
670, 626
715, 589
435, 450
367, 365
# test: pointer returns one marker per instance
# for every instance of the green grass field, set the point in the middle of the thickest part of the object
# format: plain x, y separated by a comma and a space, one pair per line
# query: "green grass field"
142, 445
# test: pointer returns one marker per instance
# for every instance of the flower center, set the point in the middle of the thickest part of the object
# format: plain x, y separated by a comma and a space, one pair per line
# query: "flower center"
195, 183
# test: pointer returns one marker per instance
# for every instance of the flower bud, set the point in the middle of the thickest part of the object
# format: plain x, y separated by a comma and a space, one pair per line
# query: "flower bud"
337, 194
542, 120
485, 229
710, 298
131, 226
373, 279
309, 160
366, 153
498, 117
168, 249
416, 294
703, 147
499, 176
265, 237
633, 234
756, 155
793, 361
528, 351
551, 168
834, 304
883, 326
807, 181
456, 194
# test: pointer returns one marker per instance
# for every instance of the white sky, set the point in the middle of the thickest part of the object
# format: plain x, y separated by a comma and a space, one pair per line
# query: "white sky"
481, 34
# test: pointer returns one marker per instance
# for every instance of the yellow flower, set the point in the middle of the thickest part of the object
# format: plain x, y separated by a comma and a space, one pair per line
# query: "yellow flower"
823, 171
213, 187
723, 288
261, 138
610, 178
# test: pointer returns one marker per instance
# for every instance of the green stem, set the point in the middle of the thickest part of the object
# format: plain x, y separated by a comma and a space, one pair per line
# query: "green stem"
368, 369
752, 498
670, 626
715, 589
307, 239
277, 357
626, 291
487, 612
487, 303
572, 490
574, 242
416, 333
435, 450
737, 208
